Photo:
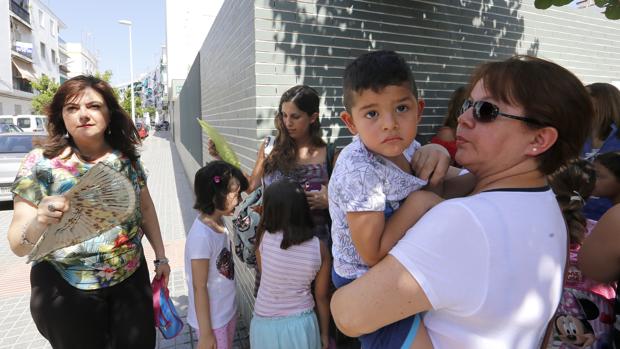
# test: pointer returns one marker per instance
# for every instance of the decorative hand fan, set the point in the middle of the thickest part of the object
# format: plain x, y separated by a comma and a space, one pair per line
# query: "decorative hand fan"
225, 151
103, 198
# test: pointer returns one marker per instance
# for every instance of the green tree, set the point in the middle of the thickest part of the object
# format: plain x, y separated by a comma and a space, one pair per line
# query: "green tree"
126, 103
46, 89
612, 7
105, 76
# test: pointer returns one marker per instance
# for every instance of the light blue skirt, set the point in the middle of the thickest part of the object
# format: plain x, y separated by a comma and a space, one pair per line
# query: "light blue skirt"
300, 331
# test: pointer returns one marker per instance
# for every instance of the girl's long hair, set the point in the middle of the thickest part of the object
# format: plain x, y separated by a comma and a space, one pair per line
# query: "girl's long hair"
283, 157
573, 184
286, 210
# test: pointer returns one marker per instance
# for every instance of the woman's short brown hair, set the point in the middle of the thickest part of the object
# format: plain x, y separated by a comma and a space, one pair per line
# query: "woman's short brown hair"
546, 92
121, 135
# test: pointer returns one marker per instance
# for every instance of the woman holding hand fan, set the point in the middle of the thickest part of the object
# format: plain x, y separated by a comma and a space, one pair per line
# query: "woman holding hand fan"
95, 293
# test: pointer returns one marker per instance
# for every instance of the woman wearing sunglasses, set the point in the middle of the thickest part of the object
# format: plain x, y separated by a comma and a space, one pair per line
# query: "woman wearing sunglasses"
487, 269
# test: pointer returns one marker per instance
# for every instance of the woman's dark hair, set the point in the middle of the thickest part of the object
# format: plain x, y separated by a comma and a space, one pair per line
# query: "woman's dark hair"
548, 93
454, 107
211, 185
122, 134
286, 209
610, 161
284, 154
573, 184
606, 102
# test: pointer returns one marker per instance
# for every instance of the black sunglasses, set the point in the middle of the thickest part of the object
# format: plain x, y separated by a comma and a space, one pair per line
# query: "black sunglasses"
486, 112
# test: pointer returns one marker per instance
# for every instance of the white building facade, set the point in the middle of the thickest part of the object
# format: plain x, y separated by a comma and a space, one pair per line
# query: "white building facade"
28, 49
81, 61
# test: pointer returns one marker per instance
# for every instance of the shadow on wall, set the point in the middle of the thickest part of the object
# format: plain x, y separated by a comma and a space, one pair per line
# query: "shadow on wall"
443, 42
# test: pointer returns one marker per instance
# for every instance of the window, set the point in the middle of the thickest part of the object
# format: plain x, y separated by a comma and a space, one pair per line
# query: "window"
54, 56
18, 110
43, 56
0, 109
52, 29
41, 19
22, 122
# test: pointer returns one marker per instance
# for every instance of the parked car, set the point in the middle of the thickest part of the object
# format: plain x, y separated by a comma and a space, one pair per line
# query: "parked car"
28, 123
9, 128
13, 148
164, 125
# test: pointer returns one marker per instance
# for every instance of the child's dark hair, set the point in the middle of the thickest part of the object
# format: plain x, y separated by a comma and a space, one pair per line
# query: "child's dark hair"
572, 184
610, 161
286, 209
211, 185
375, 71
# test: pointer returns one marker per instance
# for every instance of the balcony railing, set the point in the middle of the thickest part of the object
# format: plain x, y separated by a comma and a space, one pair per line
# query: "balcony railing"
22, 85
22, 51
20, 11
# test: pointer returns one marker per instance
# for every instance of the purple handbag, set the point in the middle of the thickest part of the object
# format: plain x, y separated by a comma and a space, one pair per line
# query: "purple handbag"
166, 317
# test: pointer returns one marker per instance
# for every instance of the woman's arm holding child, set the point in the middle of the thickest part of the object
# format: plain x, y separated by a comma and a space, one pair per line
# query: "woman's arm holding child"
321, 293
200, 275
373, 237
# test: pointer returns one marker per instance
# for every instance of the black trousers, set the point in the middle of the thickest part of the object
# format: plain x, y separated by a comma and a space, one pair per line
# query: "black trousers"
116, 317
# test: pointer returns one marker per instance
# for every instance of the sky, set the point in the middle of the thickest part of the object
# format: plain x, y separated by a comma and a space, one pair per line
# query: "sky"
95, 24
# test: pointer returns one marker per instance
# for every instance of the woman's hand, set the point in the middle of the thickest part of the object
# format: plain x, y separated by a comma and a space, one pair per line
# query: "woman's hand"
212, 150
207, 341
51, 209
163, 270
431, 162
318, 199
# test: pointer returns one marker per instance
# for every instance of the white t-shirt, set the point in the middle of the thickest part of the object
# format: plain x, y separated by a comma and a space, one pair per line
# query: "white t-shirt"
492, 267
361, 182
204, 243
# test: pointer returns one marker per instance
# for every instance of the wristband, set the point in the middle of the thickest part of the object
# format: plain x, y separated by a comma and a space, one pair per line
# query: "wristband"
160, 261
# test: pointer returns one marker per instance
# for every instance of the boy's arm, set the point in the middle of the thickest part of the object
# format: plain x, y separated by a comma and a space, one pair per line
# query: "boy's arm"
373, 237
321, 293
200, 275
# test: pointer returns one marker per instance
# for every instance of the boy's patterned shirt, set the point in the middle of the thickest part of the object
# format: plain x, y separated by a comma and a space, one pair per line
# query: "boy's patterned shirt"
362, 182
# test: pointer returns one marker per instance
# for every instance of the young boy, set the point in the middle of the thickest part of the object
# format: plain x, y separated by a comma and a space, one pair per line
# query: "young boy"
373, 174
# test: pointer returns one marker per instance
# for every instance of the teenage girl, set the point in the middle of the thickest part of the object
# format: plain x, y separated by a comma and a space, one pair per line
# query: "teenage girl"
209, 269
290, 257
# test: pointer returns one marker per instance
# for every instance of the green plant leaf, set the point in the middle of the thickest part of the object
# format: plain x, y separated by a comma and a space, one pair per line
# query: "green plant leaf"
222, 147
613, 11
601, 3
543, 4
561, 2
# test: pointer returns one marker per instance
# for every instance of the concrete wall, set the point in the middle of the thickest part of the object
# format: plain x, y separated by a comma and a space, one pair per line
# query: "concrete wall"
190, 109
228, 85
312, 41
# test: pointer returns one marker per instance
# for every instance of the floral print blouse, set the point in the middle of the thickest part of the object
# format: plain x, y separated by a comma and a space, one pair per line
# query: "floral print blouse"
104, 260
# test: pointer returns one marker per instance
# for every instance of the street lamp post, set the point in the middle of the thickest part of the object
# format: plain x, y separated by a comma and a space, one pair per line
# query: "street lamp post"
133, 103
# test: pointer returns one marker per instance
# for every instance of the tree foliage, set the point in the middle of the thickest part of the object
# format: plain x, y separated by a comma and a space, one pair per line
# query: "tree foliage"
611, 7
126, 103
46, 89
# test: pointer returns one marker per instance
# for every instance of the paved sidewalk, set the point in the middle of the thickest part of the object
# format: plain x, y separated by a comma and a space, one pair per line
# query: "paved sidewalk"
173, 199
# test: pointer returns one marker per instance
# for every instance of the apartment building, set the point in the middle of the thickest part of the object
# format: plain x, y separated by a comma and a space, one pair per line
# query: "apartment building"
29, 48
81, 61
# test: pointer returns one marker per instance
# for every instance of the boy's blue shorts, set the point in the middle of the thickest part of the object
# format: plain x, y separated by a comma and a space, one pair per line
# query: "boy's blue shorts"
393, 336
